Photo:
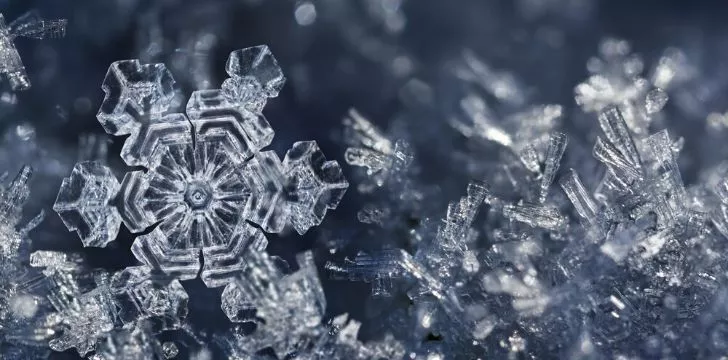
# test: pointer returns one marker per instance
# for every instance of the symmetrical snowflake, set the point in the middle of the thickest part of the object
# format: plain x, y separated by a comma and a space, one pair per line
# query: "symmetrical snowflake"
205, 175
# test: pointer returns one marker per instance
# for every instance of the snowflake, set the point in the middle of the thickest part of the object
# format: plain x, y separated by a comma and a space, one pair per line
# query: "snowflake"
205, 175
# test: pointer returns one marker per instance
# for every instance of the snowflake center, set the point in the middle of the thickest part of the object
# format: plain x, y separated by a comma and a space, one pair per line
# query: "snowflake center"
198, 195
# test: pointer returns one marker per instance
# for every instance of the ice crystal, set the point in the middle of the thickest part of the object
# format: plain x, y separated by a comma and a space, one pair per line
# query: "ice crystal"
90, 306
29, 25
205, 179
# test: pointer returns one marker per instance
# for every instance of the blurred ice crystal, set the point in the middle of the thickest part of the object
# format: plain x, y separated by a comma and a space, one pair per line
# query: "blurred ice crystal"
12, 199
205, 178
91, 307
28, 25
289, 309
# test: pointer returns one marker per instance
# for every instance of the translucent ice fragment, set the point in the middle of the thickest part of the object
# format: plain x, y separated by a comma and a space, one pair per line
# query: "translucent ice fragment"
370, 149
609, 155
84, 203
557, 145
536, 216
460, 215
83, 324
31, 25
378, 269
615, 128
314, 184
169, 350
254, 77
580, 198
135, 94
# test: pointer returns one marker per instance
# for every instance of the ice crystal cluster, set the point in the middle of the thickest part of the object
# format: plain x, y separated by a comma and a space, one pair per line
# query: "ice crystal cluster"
628, 269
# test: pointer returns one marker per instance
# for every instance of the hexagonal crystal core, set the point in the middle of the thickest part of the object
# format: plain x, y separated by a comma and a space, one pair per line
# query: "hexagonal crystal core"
198, 195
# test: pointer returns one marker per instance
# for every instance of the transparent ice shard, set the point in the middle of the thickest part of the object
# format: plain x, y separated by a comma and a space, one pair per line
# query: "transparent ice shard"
371, 149
254, 77
536, 215
582, 201
84, 203
615, 128
28, 25
379, 270
667, 178
609, 155
314, 185
460, 216
556, 148
169, 350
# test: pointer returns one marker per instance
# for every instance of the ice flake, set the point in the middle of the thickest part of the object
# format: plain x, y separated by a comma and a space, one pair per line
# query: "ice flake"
84, 204
28, 25
205, 176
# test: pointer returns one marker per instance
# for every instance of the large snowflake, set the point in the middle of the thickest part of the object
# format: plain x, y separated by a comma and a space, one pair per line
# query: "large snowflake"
205, 178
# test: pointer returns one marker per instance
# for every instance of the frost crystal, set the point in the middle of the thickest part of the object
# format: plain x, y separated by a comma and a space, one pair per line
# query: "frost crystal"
29, 25
205, 175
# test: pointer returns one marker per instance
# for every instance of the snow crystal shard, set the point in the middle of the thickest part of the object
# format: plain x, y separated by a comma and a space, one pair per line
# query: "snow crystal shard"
84, 203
